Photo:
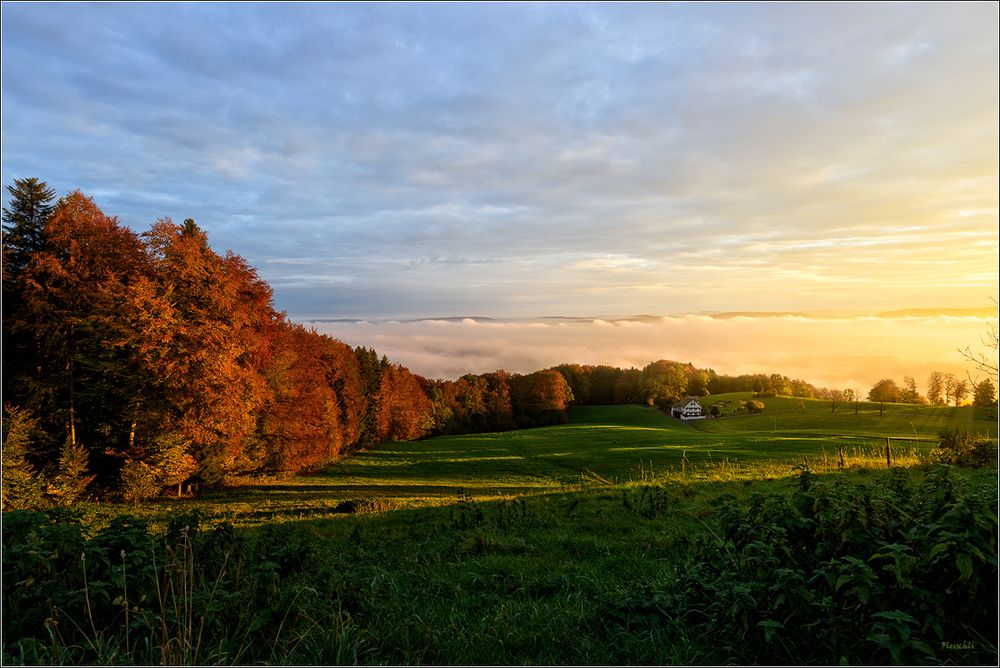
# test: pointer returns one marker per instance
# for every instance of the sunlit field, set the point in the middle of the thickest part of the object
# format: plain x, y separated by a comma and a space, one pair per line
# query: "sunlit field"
599, 446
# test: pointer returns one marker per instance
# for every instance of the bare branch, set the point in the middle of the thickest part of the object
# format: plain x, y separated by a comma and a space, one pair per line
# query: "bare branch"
984, 362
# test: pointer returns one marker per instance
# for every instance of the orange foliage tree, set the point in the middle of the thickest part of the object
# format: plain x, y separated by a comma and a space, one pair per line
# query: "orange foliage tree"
403, 410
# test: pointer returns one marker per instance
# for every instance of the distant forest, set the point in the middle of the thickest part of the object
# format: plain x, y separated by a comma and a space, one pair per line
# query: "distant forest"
138, 364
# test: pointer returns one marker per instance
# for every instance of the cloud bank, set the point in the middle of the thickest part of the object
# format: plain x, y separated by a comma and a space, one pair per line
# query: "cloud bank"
836, 352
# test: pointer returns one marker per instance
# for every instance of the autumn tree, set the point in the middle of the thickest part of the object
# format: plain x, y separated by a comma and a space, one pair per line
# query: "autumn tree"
403, 410
312, 412
578, 377
627, 387
800, 388
466, 397
836, 397
697, 384
442, 417
497, 401
540, 398
209, 359
70, 289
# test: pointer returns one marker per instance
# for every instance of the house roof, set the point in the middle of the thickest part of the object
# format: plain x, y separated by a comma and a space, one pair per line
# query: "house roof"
685, 401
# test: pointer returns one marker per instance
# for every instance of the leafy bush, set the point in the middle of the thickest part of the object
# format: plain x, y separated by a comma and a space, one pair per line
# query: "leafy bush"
139, 481
964, 449
862, 574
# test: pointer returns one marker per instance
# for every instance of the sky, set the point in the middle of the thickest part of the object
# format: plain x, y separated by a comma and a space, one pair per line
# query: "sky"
401, 161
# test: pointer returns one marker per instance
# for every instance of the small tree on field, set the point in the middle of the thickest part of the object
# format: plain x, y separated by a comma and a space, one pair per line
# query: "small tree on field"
959, 391
885, 391
936, 383
985, 394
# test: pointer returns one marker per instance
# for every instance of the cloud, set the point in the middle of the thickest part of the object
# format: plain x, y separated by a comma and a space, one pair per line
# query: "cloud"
836, 351
527, 161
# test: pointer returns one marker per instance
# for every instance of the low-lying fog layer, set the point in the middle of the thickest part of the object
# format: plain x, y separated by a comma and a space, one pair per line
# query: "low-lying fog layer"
842, 353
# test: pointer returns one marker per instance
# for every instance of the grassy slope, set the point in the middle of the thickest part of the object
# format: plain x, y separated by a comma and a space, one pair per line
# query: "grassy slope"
599, 444
813, 416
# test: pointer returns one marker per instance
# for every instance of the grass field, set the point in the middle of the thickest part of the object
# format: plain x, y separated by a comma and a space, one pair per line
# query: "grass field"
599, 445
622, 537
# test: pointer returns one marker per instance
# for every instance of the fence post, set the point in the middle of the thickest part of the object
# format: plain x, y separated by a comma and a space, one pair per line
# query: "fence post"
888, 454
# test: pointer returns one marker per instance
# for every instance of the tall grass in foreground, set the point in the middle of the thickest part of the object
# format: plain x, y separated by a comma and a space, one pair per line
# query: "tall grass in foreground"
701, 564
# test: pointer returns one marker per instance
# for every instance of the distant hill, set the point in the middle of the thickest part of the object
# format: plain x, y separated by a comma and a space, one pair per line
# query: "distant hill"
766, 314
981, 312
931, 312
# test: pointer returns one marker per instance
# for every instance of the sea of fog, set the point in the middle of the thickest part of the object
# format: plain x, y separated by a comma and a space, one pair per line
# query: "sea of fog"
838, 352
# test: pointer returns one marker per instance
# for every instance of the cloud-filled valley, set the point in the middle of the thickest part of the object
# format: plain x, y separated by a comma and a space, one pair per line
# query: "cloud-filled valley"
840, 352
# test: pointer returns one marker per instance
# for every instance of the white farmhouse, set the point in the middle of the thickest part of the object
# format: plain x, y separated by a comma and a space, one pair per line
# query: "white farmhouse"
688, 408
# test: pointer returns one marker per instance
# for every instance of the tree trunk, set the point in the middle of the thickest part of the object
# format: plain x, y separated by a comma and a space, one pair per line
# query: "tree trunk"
72, 409
132, 425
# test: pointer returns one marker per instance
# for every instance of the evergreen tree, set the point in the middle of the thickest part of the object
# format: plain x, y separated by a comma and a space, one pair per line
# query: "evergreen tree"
24, 224
22, 487
370, 369
72, 478
24, 227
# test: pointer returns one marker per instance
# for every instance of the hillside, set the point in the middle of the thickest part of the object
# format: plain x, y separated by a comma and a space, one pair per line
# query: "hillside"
599, 445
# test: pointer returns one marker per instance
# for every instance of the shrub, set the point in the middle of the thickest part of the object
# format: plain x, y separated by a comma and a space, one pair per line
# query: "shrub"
961, 448
139, 481
844, 574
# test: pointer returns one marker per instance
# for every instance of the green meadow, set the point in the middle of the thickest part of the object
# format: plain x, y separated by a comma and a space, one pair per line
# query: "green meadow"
599, 445
621, 537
